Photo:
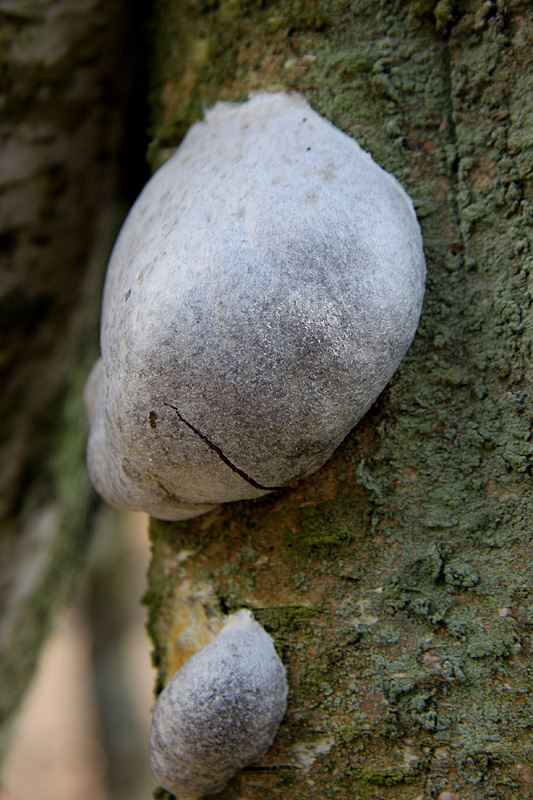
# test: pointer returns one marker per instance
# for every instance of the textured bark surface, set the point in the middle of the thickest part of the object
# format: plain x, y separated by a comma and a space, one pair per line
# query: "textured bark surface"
397, 581
63, 89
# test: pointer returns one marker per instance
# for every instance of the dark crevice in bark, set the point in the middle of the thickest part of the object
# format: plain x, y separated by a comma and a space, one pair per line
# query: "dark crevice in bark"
453, 166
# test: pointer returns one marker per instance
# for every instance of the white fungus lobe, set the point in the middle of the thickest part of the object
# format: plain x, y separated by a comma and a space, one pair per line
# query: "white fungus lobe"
220, 712
263, 289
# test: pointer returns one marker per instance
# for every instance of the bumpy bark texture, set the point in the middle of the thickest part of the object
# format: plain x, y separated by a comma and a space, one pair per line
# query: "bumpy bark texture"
397, 581
63, 88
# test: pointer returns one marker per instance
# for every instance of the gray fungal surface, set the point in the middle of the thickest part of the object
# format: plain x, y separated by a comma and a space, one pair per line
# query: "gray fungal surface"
263, 290
220, 712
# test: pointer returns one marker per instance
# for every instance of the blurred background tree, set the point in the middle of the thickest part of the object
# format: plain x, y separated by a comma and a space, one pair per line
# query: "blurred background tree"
73, 78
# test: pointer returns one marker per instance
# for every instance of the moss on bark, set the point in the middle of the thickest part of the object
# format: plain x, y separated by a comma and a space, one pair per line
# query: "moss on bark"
396, 581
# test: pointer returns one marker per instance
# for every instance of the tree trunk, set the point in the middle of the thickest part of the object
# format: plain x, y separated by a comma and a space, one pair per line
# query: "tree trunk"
397, 580
64, 83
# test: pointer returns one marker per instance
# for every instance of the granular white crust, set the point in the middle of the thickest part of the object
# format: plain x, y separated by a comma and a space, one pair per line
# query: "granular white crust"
264, 288
220, 712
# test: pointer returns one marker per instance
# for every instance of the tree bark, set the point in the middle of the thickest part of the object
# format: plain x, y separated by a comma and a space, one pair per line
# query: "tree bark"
397, 580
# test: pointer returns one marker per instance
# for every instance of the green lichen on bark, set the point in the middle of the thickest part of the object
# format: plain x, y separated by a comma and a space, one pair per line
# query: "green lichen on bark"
406, 627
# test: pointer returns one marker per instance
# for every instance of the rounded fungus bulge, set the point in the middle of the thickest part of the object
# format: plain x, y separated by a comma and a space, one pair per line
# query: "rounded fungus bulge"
220, 712
261, 293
